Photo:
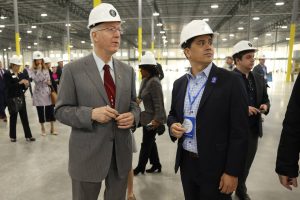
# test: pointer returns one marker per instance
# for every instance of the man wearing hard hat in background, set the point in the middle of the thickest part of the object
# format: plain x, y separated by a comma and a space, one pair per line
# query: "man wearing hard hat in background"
97, 98
258, 104
261, 68
60, 65
209, 118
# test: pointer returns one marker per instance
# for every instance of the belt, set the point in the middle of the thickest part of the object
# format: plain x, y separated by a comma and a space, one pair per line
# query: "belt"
191, 154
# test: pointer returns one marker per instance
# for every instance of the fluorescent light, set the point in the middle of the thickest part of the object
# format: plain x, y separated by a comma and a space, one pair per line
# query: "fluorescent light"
162, 32
268, 34
29, 47
224, 39
255, 38
155, 14
9, 48
172, 40
68, 24
280, 3
2, 26
44, 15
35, 43
29, 31
284, 27
214, 6
256, 18
164, 37
206, 19
4, 49
49, 36
0, 31
33, 26
2, 17
231, 35
82, 42
71, 46
287, 38
159, 24
241, 28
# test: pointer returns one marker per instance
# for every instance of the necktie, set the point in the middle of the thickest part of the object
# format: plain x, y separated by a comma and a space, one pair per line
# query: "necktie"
109, 86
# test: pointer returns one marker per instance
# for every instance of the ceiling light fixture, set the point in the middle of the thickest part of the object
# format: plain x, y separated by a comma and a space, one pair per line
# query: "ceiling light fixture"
68, 24
2, 26
280, 3
284, 27
256, 18
29, 31
35, 43
214, 6
155, 14
162, 32
49, 36
241, 28
268, 34
231, 35
159, 24
33, 26
255, 38
44, 15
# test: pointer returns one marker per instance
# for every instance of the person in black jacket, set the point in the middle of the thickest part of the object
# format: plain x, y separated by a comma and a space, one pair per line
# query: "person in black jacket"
258, 104
2, 93
209, 118
16, 85
287, 166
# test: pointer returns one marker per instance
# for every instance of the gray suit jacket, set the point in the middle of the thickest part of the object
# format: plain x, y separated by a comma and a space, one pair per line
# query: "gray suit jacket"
91, 143
152, 96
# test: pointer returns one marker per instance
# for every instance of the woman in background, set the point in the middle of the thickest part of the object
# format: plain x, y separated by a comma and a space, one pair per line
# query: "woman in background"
41, 94
154, 115
16, 85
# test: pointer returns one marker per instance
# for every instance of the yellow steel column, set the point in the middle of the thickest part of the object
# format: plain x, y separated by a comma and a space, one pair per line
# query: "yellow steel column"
17, 35
292, 38
96, 2
291, 45
140, 43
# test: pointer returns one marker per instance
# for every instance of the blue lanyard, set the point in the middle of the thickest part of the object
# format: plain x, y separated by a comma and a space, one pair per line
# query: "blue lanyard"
194, 97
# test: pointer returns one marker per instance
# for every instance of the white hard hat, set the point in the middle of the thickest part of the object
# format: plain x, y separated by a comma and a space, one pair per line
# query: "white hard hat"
104, 12
148, 59
242, 45
37, 55
193, 29
261, 56
17, 60
60, 59
47, 60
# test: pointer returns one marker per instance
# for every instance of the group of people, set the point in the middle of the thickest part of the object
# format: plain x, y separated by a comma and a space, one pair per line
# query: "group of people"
15, 83
97, 98
215, 115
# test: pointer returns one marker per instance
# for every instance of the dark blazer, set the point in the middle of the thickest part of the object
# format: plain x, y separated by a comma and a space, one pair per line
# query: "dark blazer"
289, 145
53, 83
153, 100
221, 123
13, 88
2, 81
261, 97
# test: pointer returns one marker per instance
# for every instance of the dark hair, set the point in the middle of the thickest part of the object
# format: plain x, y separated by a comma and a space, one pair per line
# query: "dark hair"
151, 69
239, 55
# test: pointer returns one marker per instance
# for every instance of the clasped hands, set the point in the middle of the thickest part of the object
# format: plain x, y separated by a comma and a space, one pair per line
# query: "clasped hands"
106, 113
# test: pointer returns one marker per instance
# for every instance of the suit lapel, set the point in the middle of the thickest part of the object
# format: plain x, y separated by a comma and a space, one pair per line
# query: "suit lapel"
258, 89
92, 71
211, 82
118, 69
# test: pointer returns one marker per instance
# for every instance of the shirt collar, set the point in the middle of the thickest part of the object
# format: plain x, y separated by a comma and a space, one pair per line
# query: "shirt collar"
206, 71
100, 63
243, 75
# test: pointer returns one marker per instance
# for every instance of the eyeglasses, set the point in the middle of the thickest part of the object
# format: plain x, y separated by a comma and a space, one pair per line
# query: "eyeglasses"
111, 30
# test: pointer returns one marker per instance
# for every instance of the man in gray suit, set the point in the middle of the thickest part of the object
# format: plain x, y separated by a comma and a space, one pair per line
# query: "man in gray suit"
97, 98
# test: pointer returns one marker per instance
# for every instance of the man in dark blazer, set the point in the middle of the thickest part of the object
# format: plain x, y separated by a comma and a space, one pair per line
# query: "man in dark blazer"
2, 93
287, 163
209, 118
97, 98
261, 68
243, 55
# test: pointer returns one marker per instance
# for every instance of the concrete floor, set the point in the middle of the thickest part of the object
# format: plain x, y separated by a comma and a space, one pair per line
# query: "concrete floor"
38, 171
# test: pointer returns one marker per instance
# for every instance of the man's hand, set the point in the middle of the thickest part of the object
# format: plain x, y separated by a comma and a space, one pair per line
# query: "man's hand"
253, 111
125, 120
287, 182
228, 183
104, 114
177, 130
155, 123
263, 107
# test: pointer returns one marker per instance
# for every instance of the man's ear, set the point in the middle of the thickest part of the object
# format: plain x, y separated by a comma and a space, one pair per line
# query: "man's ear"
187, 53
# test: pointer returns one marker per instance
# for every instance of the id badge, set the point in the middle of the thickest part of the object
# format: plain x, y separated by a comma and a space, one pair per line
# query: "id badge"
189, 124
